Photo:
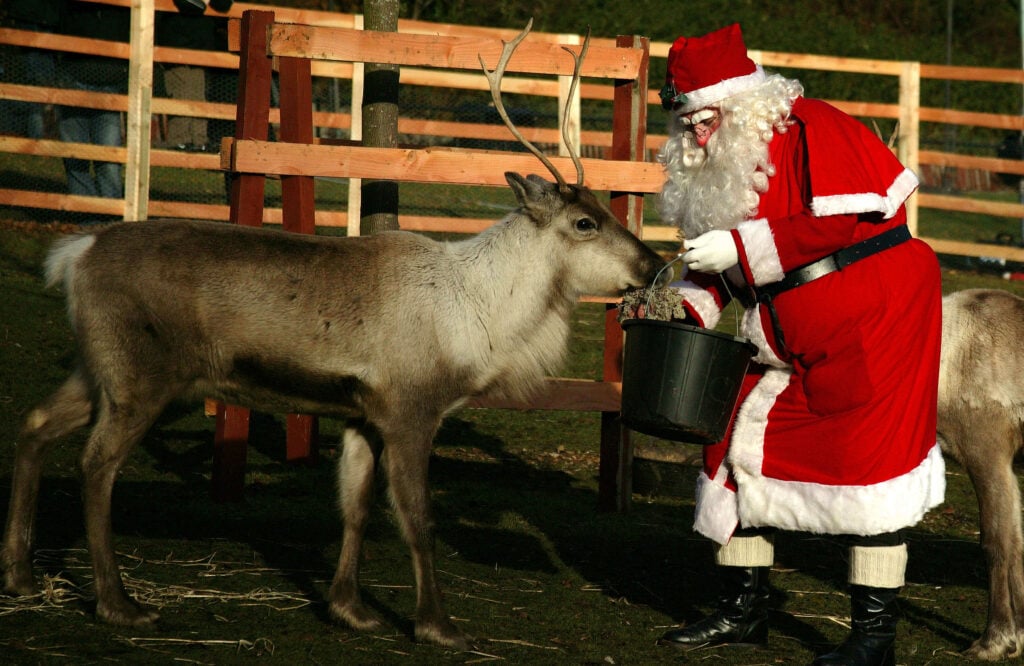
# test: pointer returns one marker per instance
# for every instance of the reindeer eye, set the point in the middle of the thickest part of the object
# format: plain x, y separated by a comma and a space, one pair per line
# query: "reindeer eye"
586, 224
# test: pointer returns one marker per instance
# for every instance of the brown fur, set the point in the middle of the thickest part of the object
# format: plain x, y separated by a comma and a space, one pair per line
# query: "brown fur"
391, 331
981, 423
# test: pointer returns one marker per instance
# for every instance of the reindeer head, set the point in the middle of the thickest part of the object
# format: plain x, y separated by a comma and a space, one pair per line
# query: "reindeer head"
597, 254
593, 253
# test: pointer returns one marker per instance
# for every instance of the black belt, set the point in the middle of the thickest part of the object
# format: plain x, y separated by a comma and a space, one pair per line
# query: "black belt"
836, 261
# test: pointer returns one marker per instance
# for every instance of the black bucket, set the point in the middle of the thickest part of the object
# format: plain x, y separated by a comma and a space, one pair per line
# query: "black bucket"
681, 382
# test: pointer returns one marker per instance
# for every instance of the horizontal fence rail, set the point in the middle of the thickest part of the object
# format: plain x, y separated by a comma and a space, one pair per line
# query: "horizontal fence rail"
343, 37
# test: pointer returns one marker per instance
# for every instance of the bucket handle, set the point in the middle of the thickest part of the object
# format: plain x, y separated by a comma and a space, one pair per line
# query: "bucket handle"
725, 283
657, 276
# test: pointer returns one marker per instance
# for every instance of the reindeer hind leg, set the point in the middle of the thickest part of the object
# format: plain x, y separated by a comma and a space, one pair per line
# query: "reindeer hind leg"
66, 410
119, 428
1016, 563
987, 453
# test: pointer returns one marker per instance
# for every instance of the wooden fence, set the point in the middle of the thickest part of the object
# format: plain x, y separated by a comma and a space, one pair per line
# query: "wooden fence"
138, 156
341, 59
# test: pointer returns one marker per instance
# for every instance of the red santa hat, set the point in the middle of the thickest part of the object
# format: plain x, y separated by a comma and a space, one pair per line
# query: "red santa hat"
703, 71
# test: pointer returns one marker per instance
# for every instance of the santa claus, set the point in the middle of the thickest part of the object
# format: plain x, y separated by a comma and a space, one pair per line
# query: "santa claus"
797, 210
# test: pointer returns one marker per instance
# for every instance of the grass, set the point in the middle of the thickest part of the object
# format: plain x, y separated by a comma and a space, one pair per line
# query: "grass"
529, 567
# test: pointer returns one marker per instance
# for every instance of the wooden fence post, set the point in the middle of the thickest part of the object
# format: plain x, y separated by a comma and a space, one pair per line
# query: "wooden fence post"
139, 117
251, 122
629, 138
297, 210
355, 185
910, 129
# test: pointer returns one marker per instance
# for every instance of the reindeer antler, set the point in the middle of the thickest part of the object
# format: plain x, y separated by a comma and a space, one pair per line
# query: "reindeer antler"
577, 63
494, 80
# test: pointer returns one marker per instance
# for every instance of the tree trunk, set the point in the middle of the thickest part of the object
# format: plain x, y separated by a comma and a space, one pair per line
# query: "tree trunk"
380, 122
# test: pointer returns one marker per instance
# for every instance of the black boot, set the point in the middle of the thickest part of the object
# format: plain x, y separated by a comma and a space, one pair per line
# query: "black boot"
742, 616
873, 631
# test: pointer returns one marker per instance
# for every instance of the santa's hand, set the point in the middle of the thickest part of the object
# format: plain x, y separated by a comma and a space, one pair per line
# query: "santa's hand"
712, 252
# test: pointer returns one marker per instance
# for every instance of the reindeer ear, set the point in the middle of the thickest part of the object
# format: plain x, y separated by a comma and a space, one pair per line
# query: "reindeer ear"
527, 190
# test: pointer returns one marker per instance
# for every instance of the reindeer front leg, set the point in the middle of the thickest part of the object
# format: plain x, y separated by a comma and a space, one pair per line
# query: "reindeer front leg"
406, 459
355, 491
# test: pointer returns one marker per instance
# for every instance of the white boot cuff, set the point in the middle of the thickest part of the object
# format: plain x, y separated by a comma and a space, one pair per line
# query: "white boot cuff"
878, 566
752, 551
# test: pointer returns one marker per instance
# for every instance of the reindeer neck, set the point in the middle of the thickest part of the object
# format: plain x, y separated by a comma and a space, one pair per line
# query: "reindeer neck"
512, 268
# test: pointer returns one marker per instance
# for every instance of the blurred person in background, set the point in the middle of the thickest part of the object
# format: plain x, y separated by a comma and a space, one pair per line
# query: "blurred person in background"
189, 28
35, 67
77, 71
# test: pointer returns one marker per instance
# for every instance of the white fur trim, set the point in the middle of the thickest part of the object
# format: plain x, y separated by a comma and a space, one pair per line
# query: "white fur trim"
747, 446
716, 515
845, 204
701, 301
864, 510
711, 95
878, 566
762, 254
901, 189
752, 329
746, 551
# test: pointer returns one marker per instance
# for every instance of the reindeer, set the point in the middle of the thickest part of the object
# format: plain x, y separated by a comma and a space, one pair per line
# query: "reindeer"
391, 331
981, 425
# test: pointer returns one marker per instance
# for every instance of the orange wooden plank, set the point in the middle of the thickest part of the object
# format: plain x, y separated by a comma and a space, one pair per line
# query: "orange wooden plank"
532, 56
53, 201
967, 205
945, 246
992, 120
994, 164
432, 165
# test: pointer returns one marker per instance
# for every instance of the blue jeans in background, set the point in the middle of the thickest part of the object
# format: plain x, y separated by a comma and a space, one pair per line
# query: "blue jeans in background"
79, 125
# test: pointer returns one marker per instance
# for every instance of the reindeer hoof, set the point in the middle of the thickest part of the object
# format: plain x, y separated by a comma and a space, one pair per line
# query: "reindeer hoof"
989, 649
126, 613
442, 633
18, 581
356, 616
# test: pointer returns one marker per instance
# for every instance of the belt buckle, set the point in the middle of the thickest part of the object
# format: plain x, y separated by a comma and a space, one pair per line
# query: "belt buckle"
747, 296
821, 268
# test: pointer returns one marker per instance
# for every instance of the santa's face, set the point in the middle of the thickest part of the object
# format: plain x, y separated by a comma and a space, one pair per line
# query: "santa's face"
714, 171
702, 123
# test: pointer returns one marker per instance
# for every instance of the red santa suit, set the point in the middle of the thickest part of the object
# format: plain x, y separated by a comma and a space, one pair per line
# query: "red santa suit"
835, 428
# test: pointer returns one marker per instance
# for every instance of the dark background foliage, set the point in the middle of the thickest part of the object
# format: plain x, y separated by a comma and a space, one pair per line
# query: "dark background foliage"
956, 32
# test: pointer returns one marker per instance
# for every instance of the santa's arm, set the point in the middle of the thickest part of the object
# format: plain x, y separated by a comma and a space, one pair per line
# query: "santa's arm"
702, 298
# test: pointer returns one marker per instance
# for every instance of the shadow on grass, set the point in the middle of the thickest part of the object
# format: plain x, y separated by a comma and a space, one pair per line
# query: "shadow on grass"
493, 508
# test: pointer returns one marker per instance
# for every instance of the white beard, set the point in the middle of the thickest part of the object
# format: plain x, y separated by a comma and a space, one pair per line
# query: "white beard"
718, 186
